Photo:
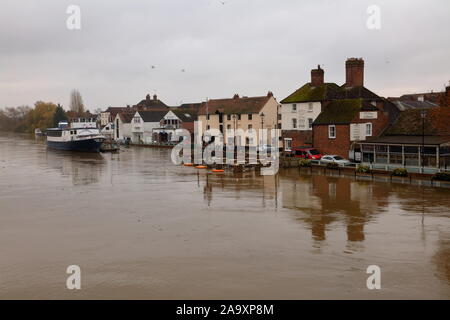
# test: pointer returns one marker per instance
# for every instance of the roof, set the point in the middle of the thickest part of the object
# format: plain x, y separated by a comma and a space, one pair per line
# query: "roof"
416, 140
409, 122
151, 103
359, 92
434, 97
126, 117
186, 114
343, 111
308, 93
152, 115
411, 104
235, 105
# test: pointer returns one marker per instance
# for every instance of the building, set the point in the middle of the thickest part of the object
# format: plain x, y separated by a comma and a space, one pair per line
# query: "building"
246, 113
419, 138
122, 126
143, 123
344, 122
300, 109
355, 115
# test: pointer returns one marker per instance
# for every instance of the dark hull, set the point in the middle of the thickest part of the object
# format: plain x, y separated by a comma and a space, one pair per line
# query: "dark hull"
89, 145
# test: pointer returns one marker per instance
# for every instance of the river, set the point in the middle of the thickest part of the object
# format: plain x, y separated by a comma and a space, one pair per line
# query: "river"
140, 227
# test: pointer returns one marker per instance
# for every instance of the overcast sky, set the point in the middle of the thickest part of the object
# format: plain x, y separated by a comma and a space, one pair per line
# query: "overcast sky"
212, 48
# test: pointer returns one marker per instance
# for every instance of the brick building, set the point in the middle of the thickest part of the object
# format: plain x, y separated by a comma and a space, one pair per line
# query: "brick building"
356, 115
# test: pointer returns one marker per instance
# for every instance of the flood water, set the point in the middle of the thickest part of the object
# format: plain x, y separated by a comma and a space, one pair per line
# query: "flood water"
140, 227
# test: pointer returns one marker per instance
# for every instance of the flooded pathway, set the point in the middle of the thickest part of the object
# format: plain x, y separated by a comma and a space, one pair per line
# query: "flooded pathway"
140, 227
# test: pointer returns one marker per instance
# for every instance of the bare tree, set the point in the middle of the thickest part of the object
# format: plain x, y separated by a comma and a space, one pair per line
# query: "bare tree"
76, 102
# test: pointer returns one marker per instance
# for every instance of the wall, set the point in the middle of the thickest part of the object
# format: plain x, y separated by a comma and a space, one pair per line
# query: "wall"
302, 113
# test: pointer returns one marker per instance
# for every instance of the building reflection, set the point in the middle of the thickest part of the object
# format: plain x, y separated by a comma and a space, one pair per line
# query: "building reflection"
82, 168
239, 186
442, 256
321, 200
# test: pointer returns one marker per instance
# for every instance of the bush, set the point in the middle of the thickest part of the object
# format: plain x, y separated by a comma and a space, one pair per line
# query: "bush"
443, 176
332, 165
363, 169
304, 163
400, 172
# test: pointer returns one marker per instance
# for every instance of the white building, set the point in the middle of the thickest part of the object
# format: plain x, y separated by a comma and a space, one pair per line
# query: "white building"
143, 123
122, 126
302, 107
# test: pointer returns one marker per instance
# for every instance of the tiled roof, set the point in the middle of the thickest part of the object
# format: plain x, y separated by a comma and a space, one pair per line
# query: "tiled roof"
186, 114
409, 122
359, 92
152, 115
234, 105
126, 117
343, 111
308, 93
417, 139
411, 104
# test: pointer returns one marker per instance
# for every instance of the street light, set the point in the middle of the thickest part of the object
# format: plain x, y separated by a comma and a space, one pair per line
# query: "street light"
262, 127
423, 114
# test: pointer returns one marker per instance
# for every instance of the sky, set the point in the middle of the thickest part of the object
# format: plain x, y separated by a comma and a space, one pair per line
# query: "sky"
190, 50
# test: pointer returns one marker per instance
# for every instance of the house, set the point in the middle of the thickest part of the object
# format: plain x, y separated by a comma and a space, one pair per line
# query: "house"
151, 104
346, 121
143, 123
419, 137
110, 114
122, 125
356, 115
303, 106
246, 113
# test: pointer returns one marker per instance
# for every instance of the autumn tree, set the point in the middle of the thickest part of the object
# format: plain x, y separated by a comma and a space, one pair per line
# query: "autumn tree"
76, 103
41, 116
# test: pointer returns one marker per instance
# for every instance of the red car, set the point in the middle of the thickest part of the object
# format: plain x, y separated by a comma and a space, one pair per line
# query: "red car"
306, 153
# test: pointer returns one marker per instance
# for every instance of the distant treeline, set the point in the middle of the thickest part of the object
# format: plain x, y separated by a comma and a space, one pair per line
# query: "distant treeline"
44, 115
25, 119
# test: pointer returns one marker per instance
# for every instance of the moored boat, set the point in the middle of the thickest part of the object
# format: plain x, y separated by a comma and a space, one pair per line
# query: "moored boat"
74, 139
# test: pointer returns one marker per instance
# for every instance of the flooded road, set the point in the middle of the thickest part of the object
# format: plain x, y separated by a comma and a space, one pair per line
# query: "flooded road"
140, 227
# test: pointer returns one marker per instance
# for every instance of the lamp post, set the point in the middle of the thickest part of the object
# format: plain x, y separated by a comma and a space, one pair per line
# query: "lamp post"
262, 127
423, 114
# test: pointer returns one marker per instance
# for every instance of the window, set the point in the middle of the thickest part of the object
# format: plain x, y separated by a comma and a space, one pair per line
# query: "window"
207, 117
137, 120
287, 144
302, 123
239, 117
310, 122
208, 127
279, 116
250, 117
368, 129
294, 123
294, 107
229, 126
310, 107
332, 132
228, 117
250, 127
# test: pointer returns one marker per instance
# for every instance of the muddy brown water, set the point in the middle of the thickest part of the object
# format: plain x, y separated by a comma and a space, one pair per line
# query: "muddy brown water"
140, 227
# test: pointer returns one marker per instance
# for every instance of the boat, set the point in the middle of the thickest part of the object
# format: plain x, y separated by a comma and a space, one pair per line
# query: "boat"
38, 132
79, 139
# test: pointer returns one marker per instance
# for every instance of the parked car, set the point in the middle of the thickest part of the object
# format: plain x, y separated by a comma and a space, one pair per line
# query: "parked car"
306, 153
332, 158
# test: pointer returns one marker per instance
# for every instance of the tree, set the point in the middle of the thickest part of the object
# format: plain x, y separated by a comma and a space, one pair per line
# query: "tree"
41, 116
59, 115
76, 103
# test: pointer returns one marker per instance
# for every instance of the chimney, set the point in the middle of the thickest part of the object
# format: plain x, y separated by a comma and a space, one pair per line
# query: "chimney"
155, 97
354, 72
236, 96
270, 94
317, 77
147, 97
447, 96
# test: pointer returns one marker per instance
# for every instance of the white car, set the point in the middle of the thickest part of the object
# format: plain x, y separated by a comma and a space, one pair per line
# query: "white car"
330, 158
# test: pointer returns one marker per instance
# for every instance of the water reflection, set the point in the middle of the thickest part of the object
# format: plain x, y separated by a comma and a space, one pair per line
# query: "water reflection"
82, 168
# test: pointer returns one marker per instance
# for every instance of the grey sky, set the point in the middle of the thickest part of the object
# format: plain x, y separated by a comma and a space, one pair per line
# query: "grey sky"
242, 46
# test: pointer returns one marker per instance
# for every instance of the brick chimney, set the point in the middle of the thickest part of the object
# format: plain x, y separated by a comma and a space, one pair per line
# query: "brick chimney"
236, 96
270, 94
155, 97
447, 96
354, 72
317, 77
